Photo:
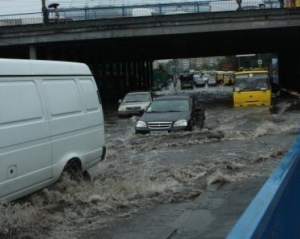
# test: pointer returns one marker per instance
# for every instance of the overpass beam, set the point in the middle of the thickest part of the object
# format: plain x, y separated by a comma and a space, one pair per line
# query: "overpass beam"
32, 52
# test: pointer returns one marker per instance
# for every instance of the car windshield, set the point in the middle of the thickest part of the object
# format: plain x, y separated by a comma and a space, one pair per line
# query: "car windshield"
169, 106
251, 82
137, 98
198, 79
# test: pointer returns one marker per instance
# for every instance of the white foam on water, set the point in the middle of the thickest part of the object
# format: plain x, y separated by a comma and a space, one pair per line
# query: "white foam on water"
139, 172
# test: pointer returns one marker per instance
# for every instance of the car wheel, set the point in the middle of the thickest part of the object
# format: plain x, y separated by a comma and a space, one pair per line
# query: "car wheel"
201, 124
190, 126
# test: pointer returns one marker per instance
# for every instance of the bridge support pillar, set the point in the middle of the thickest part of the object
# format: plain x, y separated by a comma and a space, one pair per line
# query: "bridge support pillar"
289, 69
32, 52
143, 75
125, 76
150, 73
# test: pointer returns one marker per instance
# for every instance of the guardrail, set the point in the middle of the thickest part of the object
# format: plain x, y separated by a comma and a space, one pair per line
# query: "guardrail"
104, 12
275, 210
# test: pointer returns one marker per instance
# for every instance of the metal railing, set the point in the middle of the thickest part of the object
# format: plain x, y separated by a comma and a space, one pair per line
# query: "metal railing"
109, 12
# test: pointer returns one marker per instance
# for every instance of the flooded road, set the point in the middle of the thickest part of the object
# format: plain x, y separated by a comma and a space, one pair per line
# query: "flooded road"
141, 171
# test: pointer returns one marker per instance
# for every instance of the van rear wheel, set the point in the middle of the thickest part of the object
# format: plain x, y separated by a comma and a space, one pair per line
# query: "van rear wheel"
73, 169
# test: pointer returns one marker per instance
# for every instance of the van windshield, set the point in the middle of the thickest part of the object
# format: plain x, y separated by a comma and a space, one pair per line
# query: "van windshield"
248, 82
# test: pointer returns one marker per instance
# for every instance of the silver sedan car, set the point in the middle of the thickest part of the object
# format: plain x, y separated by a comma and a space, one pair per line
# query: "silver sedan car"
134, 103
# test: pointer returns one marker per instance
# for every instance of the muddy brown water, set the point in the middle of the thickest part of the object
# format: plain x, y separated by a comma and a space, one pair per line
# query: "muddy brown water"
141, 171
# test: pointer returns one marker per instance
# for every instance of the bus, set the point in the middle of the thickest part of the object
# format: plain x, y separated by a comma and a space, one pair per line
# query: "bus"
219, 76
228, 78
187, 79
291, 3
251, 88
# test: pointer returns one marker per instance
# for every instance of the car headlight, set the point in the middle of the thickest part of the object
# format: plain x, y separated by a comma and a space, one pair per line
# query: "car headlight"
141, 124
181, 123
121, 108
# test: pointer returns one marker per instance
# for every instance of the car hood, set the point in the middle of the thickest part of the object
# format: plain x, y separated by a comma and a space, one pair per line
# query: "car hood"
165, 116
132, 104
200, 80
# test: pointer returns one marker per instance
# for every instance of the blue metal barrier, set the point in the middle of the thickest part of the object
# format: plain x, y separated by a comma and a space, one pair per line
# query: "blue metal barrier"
275, 210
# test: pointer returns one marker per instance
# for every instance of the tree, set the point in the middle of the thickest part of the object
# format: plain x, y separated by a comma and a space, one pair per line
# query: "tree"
229, 60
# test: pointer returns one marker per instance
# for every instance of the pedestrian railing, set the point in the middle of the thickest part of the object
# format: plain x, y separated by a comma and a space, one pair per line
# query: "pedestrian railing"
104, 12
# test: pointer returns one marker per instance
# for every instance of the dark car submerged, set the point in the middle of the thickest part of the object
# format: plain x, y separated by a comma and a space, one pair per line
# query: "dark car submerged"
171, 113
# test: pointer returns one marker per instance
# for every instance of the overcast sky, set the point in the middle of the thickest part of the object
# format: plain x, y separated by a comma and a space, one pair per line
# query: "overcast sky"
30, 6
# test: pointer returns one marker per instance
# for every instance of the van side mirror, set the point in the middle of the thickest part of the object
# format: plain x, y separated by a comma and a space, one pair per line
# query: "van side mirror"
120, 101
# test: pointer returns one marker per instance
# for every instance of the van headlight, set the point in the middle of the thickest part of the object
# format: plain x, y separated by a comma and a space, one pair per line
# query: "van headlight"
141, 124
181, 123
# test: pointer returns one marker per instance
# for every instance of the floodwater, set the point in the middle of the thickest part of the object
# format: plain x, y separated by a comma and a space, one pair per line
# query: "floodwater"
141, 171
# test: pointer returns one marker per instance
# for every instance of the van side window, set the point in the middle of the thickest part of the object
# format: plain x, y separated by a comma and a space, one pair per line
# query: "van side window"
63, 97
90, 99
19, 102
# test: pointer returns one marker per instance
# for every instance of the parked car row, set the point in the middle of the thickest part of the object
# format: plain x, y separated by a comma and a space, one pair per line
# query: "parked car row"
199, 81
205, 79
164, 113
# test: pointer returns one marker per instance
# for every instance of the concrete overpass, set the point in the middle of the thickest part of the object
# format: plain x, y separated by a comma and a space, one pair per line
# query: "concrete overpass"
121, 50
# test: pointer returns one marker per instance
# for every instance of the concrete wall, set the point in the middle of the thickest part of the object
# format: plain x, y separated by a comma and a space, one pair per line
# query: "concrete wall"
275, 211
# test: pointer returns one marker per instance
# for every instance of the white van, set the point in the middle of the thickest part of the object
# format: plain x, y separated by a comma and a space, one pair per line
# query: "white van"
51, 120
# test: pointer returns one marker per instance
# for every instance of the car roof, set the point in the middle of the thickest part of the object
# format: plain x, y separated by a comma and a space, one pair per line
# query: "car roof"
251, 72
174, 97
139, 92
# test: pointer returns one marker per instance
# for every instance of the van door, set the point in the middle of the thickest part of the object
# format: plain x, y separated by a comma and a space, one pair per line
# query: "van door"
25, 150
76, 121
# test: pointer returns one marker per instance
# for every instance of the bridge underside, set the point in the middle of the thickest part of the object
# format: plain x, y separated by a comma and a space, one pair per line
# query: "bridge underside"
126, 61
172, 46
